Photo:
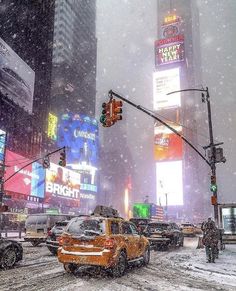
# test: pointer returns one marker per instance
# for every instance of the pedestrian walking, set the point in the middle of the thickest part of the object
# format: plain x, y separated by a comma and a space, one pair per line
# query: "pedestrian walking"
210, 240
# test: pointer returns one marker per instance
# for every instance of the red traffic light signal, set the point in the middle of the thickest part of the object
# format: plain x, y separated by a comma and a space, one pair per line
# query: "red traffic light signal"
116, 110
62, 161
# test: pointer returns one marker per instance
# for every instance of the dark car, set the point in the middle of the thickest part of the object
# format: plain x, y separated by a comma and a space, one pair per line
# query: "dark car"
11, 252
163, 234
52, 241
140, 223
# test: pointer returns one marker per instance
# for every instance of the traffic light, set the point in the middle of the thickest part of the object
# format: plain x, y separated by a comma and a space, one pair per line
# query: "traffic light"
116, 110
213, 200
213, 184
105, 111
62, 161
106, 118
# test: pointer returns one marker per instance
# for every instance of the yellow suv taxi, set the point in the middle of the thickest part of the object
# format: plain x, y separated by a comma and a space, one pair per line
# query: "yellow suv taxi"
188, 229
102, 240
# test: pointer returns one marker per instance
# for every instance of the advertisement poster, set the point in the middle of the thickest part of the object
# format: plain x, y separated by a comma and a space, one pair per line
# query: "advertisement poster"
165, 82
62, 182
17, 78
2, 144
29, 181
169, 183
229, 220
167, 145
79, 133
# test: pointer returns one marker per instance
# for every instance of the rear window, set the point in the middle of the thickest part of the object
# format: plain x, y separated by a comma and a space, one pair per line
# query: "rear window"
158, 227
87, 227
36, 220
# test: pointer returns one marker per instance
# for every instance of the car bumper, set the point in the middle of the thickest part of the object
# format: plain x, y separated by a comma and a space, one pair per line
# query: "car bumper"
104, 258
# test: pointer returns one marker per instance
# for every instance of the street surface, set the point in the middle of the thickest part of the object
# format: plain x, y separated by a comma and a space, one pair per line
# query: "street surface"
178, 269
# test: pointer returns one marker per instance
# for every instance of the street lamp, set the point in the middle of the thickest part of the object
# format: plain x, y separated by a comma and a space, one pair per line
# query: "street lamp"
213, 157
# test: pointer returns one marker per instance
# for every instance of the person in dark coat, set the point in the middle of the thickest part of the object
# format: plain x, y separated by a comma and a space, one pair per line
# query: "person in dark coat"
210, 240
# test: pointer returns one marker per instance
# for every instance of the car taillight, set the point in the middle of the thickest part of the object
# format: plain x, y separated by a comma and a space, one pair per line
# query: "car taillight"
63, 240
109, 243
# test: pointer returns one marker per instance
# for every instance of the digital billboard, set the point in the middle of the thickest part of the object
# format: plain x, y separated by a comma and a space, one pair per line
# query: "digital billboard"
52, 126
17, 78
29, 181
62, 182
165, 82
167, 145
2, 144
169, 183
79, 133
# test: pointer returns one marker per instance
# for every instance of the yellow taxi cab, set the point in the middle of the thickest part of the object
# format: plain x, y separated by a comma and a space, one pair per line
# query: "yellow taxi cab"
188, 229
102, 240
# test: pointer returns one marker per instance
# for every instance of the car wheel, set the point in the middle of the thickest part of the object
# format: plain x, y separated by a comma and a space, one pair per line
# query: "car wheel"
70, 268
9, 258
146, 256
53, 251
35, 243
119, 269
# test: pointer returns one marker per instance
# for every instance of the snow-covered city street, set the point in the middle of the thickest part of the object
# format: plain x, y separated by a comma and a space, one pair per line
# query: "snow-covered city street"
178, 269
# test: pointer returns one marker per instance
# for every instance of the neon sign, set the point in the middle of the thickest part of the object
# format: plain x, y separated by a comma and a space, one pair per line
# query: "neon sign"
52, 126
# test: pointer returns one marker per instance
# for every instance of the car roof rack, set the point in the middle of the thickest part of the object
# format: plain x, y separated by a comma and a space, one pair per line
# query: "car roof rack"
105, 211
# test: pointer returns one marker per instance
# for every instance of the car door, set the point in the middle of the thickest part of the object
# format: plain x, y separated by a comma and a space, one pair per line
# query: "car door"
139, 243
129, 240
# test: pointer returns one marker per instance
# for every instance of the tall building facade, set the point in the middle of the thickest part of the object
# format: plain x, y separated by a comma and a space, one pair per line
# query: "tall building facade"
57, 40
181, 174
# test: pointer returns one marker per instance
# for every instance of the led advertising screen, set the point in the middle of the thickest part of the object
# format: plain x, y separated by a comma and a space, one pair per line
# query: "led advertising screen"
52, 126
141, 210
79, 133
170, 50
165, 82
62, 182
29, 181
169, 183
17, 78
167, 145
2, 144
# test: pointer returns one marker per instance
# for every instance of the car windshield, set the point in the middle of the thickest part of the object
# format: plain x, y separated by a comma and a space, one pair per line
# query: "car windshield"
86, 227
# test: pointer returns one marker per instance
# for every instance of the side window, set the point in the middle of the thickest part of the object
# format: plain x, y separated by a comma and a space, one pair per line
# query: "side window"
126, 228
134, 229
115, 227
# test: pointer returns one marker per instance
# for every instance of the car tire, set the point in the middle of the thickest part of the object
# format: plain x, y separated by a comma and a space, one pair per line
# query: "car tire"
70, 268
8, 258
146, 256
120, 267
35, 243
53, 251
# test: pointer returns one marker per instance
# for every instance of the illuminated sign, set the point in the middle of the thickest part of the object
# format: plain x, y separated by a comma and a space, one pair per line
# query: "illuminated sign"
52, 126
79, 133
167, 52
141, 210
2, 144
62, 182
169, 183
168, 145
29, 181
171, 18
164, 82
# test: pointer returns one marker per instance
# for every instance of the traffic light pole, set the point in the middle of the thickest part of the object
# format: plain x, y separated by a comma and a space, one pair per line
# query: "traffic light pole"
212, 146
139, 107
213, 152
